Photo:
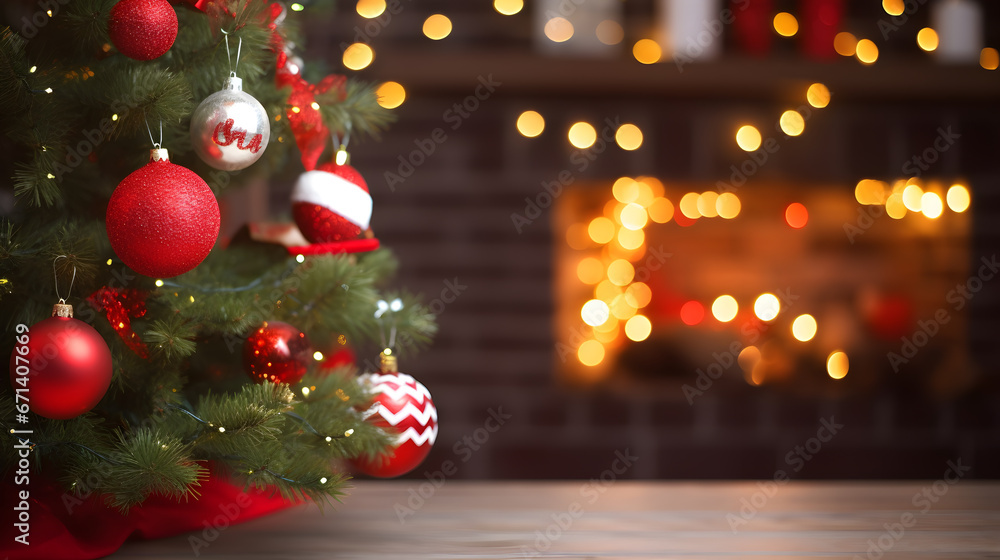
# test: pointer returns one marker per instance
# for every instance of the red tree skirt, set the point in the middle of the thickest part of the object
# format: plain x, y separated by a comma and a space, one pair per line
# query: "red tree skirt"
65, 527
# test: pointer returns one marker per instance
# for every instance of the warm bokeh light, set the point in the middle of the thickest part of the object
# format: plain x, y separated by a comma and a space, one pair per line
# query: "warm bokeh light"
390, 95
796, 215
601, 230
437, 27
625, 189
845, 43
558, 29
870, 191
689, 206
629, 137
893, 7
370, 8
358, 56
912, 195
610, 32
766, 307
804, 327
590, 270
724, 308
611, 325
748, 358
634, 216
621, 309
595, 312
837, 365
792, 123
655, 185
508, 7
866, 51
785, 24
958, 198
728, 206
638, 328
706, 204
661, 210
927, 39
894, 206
931, 205
989, 58
647, 51
631, 239
621, 272
818, 95
582, 135
638, 295
692, 313
606, 291
530, 124
590, 353
748, 138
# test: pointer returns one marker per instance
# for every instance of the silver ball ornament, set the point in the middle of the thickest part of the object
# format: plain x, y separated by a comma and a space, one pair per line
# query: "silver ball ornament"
230, 129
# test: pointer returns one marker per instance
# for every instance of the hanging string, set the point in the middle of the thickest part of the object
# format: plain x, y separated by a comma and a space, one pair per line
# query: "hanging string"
55, 273
229, 57
155, 144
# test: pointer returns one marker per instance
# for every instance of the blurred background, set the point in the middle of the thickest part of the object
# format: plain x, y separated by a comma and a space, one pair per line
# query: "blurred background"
695, 230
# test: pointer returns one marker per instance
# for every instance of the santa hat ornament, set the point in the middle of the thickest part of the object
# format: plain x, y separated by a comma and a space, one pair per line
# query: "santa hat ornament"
331, 203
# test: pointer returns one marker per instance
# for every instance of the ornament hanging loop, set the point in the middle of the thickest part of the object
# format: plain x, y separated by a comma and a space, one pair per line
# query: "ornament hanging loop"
62, 309
239, 50
55, 274
156, 145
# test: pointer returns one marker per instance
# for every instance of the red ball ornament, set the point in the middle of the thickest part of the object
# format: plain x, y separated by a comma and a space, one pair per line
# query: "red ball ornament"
406, 408
162, 219
276, 352
331, 203
65, 365
143, 29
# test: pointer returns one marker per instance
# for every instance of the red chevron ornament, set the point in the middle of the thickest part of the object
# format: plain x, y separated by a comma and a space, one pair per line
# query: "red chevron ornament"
404, 408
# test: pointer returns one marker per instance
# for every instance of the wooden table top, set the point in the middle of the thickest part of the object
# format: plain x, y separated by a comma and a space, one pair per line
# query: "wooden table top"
621, 520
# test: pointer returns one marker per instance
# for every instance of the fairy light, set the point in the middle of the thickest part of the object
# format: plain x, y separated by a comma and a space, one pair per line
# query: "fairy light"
300, 258
296, 7
314, 105
390, 95
437, 27
530, 124
159, 283
508, 7
349, 432
318, 356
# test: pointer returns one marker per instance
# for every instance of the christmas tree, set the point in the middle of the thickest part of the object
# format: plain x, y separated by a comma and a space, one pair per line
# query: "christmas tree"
87, 88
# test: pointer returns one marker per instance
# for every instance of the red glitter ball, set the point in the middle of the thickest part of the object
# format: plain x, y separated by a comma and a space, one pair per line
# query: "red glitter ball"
143, 29
276, 352
162, 220
323, 224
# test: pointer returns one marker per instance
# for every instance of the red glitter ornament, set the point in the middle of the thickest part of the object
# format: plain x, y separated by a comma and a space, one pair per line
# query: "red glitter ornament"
143, 29
331, 203
276, 352
64, 364
162, 219
404, 407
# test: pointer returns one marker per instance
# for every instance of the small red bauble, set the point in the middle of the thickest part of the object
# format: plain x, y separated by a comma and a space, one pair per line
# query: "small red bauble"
276, 352
162, 219
67, 366
143, 29
331, 203
406, 408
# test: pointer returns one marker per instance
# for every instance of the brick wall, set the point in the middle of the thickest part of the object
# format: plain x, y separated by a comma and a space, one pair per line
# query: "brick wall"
450, 221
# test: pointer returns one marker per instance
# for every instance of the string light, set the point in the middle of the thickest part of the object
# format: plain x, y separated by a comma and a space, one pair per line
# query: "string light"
629, 137
582, 135
530, 124
647, 51
390, 95
437, 27
837, 365
785, 24
370, 8
508, 7
558, 30
748, 138
927, 39
866, 51
358, 56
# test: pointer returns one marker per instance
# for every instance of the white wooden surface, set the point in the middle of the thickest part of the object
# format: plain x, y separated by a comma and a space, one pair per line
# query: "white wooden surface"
629, 520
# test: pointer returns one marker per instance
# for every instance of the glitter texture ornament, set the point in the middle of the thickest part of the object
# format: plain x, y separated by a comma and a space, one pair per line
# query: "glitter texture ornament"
143, 29
64, 363
331, 203
162, 219
230, 129
404, 407
276, 352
